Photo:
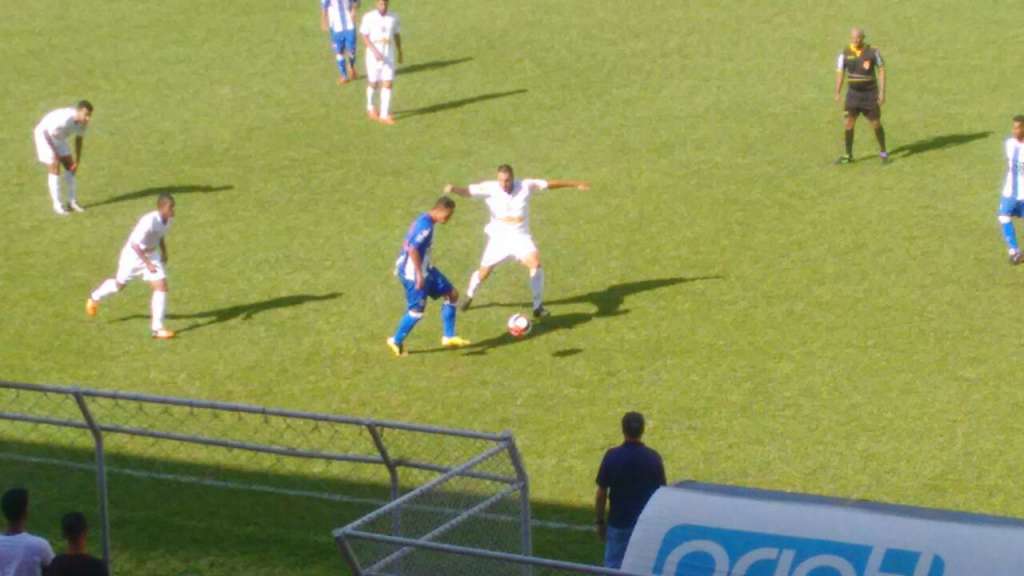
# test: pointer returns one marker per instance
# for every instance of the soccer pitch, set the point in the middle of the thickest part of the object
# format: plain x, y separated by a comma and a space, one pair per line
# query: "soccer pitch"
783, 323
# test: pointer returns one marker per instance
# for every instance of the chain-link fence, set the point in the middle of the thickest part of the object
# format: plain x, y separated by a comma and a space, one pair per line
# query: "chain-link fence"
234, 483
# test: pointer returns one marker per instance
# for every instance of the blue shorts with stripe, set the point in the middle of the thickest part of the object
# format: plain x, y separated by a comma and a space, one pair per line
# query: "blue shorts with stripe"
1011, 207
344, 42
435, 285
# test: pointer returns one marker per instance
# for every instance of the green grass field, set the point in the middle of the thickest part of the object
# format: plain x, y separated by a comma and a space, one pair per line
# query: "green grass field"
782, 322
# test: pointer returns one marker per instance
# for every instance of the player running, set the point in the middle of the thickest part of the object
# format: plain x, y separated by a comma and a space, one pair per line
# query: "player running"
339, 17
421, 280
139, 258
508, 233
51, 136
1012, 204
379, 29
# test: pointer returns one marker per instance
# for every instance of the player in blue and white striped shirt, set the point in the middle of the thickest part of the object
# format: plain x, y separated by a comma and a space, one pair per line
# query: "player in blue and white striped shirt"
1012, 204
421, 280
339, 17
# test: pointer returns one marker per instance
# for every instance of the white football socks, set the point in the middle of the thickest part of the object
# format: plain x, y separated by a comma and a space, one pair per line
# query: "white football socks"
72, 184
157, 306
369, 98
53, 182
108, 287
385, 102
474, 284
537, 285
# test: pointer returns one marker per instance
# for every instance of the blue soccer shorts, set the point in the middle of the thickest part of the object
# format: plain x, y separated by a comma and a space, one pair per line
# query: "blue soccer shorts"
1011, 207
435, 285
344, 42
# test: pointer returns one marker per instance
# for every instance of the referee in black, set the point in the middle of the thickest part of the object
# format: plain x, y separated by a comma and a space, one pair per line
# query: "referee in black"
862, 66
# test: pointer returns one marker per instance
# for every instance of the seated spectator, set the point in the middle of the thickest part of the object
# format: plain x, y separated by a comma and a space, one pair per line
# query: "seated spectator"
21, 554
76, 561
632, 473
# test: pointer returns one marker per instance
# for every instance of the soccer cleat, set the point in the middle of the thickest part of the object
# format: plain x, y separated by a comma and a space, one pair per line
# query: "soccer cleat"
454, 342
342, 80
91, 307
397, 349
372, 113
466, 303
75, 206
884, 157
163, 334
844, 159
1016, 258
388, 120
541, 312
59, 210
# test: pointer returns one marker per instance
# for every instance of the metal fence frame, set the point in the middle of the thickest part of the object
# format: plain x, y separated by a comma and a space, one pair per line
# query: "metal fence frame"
502, 446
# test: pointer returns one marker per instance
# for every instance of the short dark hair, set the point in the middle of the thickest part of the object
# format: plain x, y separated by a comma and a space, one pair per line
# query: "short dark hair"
1018, 119
506, 169
85, 104
633, 425
445, 202
164, 198
73, 525
15, 504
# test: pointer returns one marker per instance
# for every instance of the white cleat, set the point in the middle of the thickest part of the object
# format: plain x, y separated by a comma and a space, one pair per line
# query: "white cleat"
59, 210
75, 206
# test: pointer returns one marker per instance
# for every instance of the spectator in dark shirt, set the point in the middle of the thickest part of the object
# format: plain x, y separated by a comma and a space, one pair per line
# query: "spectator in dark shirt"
629, 475
76, 561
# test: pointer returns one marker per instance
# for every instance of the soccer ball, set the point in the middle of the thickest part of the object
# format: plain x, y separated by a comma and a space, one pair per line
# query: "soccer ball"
519, 325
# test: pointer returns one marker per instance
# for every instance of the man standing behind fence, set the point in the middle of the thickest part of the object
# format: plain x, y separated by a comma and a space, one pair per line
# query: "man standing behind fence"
21, 553
76, 561
629, 476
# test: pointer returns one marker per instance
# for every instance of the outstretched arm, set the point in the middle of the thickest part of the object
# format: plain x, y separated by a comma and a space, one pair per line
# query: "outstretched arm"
457, 190
577, 184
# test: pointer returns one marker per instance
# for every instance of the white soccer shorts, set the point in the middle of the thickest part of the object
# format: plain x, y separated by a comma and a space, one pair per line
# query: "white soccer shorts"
500, 247
45, 153
379, 71
131, 266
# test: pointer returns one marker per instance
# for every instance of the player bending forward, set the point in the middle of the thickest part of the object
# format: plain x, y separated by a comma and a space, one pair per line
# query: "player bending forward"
421, 280
1012, 204
508, 233
379, 29
139, 257
51, 136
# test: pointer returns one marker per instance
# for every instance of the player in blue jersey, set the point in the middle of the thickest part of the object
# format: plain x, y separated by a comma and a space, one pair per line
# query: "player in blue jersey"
1012, 204
339, 18
421, 280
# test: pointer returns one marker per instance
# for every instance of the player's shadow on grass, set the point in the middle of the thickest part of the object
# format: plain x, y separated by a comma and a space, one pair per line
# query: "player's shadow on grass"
453, 104
158, 190
937, 143
432, 65
243, 311
608, 303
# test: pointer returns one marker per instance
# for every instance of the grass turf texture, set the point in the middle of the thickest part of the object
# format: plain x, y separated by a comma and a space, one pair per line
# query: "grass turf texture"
782, 322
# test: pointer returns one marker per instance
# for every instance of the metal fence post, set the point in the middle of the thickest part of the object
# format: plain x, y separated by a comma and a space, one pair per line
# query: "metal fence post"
101, 475
378, 441
524, 499
347, 554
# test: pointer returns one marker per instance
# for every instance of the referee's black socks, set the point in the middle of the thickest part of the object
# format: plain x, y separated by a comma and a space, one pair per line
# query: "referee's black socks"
880, 134
849, 142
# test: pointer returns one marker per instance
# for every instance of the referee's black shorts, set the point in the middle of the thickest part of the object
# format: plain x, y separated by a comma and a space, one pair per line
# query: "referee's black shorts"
863, 102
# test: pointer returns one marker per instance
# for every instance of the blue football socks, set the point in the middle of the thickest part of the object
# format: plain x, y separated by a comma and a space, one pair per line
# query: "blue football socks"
405, 326
1010, 235
448, 317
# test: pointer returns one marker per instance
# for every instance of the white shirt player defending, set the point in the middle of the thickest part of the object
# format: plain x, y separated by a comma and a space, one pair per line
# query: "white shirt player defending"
24, 554
379, 30
508, 232
59, 125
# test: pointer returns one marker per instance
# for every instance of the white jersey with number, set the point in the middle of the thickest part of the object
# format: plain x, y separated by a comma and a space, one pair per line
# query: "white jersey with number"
339, 14
381, 30
60, 124
510, 211
1014, 187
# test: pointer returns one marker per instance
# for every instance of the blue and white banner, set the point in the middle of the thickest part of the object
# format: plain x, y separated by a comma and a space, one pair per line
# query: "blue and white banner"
695, 529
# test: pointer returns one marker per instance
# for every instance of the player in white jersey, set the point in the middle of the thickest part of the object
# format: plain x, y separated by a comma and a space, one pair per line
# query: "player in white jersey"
508, 233
51, 137
1012, 203
383, 40
144, 255
339, 17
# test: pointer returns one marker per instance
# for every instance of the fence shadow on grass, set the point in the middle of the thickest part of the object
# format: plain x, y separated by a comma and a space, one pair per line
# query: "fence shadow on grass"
243, 311
608, 303
157, 190
183, 517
